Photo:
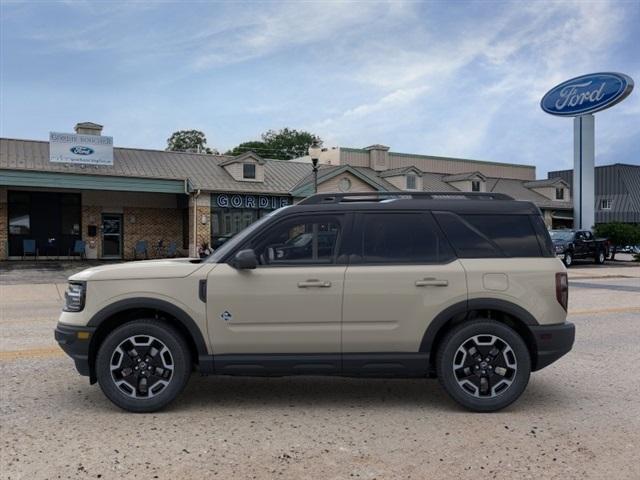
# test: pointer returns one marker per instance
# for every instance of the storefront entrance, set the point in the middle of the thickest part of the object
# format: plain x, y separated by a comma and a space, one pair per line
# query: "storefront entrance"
111, 235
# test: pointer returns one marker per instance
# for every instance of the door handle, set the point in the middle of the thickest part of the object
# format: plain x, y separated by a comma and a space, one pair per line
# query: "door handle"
314, 284
432, 282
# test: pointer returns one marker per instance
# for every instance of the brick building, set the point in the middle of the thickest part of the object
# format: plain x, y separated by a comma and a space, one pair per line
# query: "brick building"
178, 201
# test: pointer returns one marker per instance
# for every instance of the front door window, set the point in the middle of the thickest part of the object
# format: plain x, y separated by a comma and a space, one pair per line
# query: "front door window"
111, 236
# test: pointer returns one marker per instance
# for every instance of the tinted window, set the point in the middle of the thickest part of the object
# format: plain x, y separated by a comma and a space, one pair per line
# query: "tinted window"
467, 241
402, 238
248, 170
513, 234
300, 241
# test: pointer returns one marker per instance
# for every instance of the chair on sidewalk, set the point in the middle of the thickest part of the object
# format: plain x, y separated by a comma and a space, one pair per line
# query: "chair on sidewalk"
141, 249
78, 249
172, 250
29, 248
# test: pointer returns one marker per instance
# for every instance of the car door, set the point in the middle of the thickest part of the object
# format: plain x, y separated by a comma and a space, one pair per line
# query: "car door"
579, 245
402, 274
291, 304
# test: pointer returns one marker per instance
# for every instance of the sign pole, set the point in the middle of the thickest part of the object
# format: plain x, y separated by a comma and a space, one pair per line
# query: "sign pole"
584, 172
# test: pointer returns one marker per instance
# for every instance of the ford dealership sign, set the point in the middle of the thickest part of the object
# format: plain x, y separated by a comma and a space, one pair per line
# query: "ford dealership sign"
587, 94
80, 149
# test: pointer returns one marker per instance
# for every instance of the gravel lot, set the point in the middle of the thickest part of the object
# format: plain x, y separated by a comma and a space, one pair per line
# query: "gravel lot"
579, 418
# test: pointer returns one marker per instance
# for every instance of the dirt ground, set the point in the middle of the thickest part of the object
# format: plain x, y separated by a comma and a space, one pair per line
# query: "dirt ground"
579, 418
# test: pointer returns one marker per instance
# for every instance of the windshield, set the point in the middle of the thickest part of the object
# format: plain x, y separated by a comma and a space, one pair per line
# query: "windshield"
561, 235
238, 238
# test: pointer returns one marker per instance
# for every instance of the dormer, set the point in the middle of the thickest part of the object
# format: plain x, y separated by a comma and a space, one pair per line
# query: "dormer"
408, 178
467, 182
247, 167
552, 188
378, 157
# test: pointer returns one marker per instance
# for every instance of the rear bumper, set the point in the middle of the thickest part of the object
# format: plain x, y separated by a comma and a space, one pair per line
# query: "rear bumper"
75, 343
552, 342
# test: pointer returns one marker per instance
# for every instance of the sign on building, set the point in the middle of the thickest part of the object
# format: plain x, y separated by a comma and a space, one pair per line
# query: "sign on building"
269, 202
80, 149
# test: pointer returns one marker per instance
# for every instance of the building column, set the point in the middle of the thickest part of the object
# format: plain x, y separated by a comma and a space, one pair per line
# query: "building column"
583, 172
4, 225
199, 222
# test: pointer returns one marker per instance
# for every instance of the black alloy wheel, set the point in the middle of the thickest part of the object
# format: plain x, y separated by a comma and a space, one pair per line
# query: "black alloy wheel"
143, 365
484, 365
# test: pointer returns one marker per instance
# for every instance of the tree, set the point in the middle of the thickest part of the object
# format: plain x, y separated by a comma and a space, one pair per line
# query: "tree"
255, 146
283, 144
619, 234
188, 141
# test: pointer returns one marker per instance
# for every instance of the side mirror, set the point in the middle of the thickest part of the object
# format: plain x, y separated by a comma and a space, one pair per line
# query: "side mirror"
245, 260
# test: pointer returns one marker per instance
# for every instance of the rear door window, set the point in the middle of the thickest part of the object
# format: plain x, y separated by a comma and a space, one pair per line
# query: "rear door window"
394, 238
467, 240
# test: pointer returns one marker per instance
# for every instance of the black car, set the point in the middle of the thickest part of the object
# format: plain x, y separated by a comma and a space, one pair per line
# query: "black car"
571, 245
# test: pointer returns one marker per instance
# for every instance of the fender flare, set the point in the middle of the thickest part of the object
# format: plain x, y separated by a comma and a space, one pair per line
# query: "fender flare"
156, 304
464, 307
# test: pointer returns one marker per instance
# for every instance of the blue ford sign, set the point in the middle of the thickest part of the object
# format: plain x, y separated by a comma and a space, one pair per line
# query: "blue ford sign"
587, 94
79, 150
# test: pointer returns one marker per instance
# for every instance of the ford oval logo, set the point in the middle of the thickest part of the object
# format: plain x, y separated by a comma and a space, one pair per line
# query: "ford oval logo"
79, 150
587, 94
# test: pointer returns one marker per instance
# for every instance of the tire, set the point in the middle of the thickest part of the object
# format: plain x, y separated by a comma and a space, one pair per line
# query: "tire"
455, 360
568, 259
600, 257
159, 349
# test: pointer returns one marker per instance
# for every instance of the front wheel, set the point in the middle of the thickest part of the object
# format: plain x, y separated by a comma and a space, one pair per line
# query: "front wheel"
483, 365
143, 365
568, 259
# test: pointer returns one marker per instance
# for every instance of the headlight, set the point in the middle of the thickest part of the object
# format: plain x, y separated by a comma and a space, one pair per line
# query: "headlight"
74, 297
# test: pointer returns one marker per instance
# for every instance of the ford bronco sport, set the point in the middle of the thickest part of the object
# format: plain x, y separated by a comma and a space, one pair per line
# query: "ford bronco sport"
465, 287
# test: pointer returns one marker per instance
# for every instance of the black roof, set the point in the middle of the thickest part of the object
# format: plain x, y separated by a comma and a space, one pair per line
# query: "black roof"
459, 202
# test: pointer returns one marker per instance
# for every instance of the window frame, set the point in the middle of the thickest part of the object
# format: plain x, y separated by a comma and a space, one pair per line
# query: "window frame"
244, 171
474, 183
357, 236
606, 201
559, 193
414, 178
344, 221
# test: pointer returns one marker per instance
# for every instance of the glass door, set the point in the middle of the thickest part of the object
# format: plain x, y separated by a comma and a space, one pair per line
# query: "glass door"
111, 235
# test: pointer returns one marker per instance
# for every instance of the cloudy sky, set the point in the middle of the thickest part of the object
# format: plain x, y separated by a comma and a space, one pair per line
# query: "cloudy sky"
460, 79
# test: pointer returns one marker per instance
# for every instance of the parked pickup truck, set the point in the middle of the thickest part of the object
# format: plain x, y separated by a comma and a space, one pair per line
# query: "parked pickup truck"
570, 245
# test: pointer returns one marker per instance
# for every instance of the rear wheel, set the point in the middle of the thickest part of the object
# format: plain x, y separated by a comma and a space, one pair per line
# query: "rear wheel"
600, 257
483, 365
143, 365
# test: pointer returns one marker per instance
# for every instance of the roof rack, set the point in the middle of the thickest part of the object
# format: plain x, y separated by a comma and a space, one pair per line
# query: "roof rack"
321, 198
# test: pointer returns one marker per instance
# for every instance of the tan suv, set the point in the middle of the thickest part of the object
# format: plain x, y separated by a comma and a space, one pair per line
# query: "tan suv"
465, 287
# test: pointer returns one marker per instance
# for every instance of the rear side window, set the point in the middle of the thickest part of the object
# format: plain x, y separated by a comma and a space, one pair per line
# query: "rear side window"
513, 234
467, 240
485, 236
402, 238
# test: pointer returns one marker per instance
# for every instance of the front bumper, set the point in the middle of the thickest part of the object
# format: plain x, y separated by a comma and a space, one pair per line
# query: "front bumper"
552, 342
75, 342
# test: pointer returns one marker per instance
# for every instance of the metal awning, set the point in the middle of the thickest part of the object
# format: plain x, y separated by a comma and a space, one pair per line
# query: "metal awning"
30, 178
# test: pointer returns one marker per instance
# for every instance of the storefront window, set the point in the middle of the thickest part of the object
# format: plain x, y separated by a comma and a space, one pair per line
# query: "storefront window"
19, 217
70, 214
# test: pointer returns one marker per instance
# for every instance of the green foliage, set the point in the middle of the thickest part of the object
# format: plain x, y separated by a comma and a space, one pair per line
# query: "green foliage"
283, 144
619, 234
256, 146
188, 141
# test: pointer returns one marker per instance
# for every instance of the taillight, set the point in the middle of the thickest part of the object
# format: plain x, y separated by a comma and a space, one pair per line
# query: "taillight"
562, 289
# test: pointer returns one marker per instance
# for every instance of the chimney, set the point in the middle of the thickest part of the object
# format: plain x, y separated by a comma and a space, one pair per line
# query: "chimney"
88, 128
378, 157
